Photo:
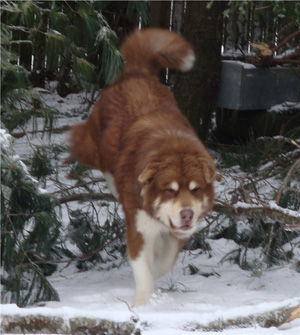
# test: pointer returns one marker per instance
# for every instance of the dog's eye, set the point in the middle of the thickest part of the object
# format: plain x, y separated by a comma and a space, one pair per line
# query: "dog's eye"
195, 190
169, 191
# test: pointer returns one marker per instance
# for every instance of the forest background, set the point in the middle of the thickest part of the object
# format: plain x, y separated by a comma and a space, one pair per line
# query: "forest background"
71, 47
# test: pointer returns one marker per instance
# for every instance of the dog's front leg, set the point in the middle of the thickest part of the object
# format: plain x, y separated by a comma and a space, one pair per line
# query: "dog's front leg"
166, 250
142, 270
141, 239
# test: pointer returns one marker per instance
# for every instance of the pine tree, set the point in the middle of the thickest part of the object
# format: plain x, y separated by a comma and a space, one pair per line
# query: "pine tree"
29, 231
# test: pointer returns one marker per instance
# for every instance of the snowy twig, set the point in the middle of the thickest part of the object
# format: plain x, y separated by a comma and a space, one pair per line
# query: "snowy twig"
295, 144
270, 211
286, 181
23, 133
136, 316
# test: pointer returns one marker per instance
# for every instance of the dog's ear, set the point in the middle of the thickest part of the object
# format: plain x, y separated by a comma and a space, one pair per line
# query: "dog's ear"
207, 166
147, 175
209, 172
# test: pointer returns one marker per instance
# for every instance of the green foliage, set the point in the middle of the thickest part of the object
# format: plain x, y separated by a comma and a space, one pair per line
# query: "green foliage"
288, 10
78, 171
284, 10
19, 101
109, 42
29, 231
89, 236
141, 10
41, 163
290, 199
68, 38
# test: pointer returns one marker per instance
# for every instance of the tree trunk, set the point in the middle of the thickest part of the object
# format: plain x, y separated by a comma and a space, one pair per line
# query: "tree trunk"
160, 14
195, 91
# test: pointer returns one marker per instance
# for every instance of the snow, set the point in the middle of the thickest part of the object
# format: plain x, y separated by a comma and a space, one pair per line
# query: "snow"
181, 300
246, 66
220, 290
285, 107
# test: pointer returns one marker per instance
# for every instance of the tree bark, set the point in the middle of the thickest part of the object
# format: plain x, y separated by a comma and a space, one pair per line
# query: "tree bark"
160, 14
195, 91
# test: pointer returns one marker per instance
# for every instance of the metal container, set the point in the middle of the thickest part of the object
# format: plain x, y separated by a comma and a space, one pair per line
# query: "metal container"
246, 87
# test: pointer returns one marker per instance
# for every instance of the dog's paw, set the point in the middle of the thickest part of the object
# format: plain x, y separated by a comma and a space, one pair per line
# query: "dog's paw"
141, 299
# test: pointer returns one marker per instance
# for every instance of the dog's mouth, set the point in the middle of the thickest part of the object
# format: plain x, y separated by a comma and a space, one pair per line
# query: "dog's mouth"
182, 227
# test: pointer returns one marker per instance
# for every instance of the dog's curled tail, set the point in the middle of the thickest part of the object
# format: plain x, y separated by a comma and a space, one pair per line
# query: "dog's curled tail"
149, 50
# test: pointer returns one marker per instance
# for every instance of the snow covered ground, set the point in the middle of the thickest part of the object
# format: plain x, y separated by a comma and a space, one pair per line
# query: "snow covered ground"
183, 303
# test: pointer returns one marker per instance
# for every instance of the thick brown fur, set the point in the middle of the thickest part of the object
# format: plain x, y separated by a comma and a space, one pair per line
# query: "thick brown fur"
137, 134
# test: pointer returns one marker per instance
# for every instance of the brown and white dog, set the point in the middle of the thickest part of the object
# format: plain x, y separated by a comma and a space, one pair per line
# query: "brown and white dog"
153, 161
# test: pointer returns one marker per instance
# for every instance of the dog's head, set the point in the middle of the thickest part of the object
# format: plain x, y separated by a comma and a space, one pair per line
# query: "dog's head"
178, 191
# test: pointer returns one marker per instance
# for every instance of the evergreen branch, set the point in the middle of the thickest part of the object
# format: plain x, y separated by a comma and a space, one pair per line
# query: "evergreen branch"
10, 10
74, 259
18, 28
87, 197
19, 242
93, 181
20, 42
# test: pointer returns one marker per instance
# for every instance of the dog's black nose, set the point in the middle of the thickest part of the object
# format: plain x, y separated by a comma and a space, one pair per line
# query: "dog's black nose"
186, 216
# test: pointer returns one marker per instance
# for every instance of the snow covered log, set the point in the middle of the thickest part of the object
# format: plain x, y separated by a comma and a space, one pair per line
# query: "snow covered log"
273, 318
40, 324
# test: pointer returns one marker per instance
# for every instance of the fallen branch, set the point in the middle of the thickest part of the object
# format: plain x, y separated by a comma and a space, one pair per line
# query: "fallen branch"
286, 61
270, 211
265, 54
282, 43
286, 181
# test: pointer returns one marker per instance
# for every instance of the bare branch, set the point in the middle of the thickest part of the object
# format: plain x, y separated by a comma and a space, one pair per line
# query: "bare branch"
93, 181
282, 43
23, 133
286, 181
269, 211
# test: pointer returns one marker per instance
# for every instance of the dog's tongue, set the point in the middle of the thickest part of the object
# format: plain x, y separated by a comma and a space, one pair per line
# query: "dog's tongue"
183, 227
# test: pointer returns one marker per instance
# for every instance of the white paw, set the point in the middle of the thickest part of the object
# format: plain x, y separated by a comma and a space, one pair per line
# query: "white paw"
141, 299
